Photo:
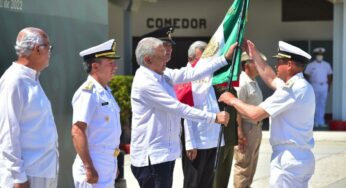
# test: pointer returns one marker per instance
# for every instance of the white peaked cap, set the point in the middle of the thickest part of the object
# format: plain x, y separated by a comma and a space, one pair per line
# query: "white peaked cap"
288, 51
319, 50
104, 50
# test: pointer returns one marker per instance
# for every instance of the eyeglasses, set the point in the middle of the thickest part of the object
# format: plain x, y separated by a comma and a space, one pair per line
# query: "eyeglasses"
50, 47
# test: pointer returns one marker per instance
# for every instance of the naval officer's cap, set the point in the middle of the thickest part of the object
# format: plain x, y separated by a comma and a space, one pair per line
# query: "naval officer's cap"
288, 51
164, 34
104, 50
319, 51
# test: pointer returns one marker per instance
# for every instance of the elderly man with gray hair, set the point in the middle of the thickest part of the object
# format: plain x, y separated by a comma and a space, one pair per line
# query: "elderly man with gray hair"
28, 135
200, 138
156, 113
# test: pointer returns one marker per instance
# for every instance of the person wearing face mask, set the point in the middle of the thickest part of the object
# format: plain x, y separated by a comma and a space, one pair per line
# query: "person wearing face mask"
319, 73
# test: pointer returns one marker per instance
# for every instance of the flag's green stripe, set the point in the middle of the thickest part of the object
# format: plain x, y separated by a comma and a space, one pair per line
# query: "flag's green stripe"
231, 25
231, 18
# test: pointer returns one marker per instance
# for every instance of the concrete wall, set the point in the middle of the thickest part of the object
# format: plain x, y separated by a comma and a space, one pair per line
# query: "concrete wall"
72, 26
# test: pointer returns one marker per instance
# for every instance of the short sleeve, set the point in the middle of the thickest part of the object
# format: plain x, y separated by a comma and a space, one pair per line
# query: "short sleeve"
84, 106
308, 69
281, 100
242, 93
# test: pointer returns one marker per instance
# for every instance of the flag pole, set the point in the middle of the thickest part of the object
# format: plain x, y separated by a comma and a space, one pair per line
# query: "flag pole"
229, 83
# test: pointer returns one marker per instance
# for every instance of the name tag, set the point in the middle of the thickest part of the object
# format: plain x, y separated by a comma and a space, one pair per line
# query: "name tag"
104, 103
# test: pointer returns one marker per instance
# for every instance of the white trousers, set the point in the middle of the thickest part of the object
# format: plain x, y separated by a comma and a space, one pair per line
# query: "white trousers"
106, 166
37, 182
321, 94
291, 167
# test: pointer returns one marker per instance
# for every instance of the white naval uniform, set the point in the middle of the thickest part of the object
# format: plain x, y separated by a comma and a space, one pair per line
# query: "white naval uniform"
28, 135
319, 73
291, 109
95, 106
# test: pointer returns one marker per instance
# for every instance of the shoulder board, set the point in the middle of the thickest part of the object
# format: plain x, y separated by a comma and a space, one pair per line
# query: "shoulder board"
88, 86
289, 84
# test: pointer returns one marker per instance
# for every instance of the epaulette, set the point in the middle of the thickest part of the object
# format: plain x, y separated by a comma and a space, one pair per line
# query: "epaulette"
88, 86
289, 84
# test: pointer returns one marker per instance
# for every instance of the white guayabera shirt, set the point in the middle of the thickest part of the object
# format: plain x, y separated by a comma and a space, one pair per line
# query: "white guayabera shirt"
156, 112
28, 135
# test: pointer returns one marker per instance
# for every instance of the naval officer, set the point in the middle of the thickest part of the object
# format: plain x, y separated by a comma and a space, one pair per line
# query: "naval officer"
165, 35
96, 120
320, 74
291, 110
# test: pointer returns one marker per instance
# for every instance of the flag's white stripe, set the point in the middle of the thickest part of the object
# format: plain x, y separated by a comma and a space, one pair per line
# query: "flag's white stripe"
202, 91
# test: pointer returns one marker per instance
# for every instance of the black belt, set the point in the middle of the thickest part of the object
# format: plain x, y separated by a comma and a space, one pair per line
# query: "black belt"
319, 83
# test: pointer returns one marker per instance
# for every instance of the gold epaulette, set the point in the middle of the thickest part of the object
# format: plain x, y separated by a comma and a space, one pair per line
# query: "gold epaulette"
88, 86
289, 84
116, 152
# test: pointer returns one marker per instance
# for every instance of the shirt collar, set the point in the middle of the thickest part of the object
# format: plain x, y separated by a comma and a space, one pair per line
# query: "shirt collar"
157, 77
98, 86
297, 76
246, 77
31, 73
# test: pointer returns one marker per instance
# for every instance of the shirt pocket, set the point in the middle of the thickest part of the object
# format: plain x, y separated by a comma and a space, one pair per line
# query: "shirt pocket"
103, 114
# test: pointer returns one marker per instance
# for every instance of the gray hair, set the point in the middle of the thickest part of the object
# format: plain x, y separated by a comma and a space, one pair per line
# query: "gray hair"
191, 53
27, 39
146, 47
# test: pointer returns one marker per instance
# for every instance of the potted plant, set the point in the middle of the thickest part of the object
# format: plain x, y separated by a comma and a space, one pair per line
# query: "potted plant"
121, 90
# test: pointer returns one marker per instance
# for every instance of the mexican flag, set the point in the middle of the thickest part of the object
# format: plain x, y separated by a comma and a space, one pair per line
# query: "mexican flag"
230, 31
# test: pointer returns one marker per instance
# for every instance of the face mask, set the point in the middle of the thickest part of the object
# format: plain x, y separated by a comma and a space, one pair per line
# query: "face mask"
319, 57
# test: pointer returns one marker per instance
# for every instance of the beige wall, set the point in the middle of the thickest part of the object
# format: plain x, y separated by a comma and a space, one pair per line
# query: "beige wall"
264, 26
264, 21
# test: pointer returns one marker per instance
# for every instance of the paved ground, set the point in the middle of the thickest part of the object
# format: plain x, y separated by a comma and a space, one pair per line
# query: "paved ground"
330, 154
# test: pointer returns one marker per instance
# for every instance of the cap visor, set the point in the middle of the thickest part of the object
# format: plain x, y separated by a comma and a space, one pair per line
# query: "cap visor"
173, 43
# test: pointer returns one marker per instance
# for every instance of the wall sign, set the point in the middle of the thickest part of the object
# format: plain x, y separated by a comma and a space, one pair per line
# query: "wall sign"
184, 23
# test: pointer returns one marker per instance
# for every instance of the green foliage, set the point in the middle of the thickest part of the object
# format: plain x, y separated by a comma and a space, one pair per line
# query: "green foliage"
121, 90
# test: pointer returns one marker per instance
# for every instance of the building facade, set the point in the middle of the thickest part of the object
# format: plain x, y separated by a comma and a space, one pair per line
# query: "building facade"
76, 25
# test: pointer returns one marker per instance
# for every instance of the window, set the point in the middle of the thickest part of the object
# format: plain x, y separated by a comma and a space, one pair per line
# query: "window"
306, 10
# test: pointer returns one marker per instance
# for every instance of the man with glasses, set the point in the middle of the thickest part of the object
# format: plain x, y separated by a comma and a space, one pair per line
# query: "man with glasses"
96, 120
28, 135
291, 110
